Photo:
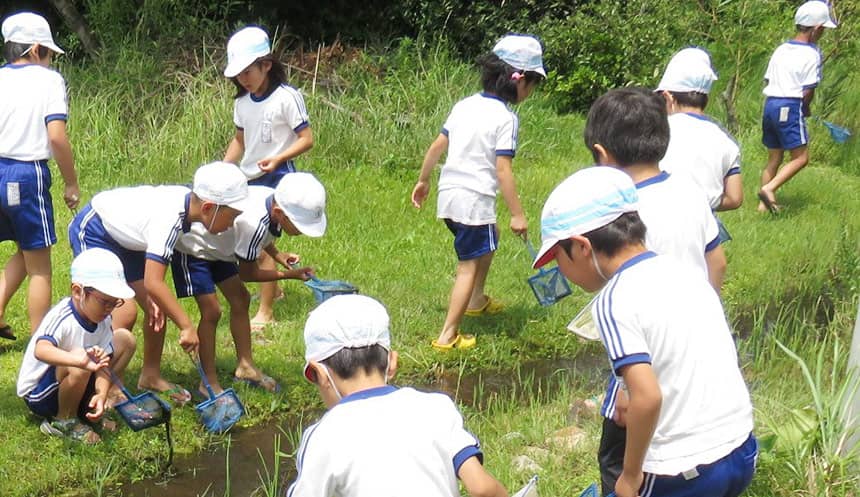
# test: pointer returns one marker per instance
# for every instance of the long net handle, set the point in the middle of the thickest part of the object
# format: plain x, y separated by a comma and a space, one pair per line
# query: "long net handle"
313, 276
114, 379
199, 365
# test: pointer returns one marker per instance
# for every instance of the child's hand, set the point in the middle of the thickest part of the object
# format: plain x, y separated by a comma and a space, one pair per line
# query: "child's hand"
291, 259
268, 164
93, 359
155, 318
97, 407
419, 193
300, 273
72, 196
189, 340
628, 485
519, 225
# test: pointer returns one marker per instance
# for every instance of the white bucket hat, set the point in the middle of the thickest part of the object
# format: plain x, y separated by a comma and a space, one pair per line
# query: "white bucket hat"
302, 198
101, 269
244, 47
588, 199
222, 183
29, 28
522, 52
814, 13
688, 70
344, 322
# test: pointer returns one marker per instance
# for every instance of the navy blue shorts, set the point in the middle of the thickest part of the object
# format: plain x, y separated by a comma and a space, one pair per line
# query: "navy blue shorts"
726, 477
724, 235
44, 399
783, 125
195, 276
273, 178
25, 203
87, 231
471, 242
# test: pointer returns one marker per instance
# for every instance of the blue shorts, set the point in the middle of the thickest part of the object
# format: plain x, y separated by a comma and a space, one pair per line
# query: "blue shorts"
273, 178
87, 231
195, 276
725, 236
26, 205
44, 399
782, 124
726, 477
471, 242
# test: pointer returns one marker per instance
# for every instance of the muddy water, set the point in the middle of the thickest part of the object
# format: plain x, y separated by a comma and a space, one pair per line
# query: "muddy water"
205, 475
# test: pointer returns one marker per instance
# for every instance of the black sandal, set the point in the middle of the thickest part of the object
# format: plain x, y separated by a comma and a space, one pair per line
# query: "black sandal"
6, 332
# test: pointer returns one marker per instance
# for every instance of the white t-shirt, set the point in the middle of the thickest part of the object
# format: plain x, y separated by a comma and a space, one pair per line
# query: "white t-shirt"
68, 330
701, 151
794, 66
31, 96
251, 232
385, 442
678, 219
479, 129
270, 125
145, 218
655, 310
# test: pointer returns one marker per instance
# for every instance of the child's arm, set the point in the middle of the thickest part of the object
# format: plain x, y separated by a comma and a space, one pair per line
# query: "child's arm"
645, 400
153, 281
249, 271
508, 187
733, 193
808, 94
93, 359
97, 401
716, 261
478, 482
236, 148
431, 158
61, 150
304, 143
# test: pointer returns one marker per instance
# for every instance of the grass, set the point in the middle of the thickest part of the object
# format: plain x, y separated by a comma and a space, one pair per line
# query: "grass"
793, 277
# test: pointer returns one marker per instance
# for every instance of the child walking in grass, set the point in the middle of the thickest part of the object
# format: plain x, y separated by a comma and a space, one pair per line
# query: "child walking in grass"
689, 419
272, 128
227, 260
63, 377
140, 225
793, 73
33, 114
480, 137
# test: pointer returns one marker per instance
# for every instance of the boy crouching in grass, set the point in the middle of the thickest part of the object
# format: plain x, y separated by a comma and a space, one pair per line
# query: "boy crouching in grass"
58, 379
689, 419
377, 439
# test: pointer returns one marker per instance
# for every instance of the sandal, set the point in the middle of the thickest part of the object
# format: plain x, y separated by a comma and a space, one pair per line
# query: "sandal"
259, 326
265, 382
6, 332
71, 429
492, 306
460, 342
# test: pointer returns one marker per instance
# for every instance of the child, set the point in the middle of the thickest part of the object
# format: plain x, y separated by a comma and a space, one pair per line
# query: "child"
58, 379
33, 114
792, 74
699, 149
140, 225
377, 439
272, 127
480, 136
689, 419
628, 128
204, 261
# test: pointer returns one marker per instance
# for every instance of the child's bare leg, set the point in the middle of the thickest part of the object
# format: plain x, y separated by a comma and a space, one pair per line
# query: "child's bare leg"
774, 159
73, 384
124, 345
38, 265
799, 160
461, 292
153, 345
479, 298
268, 292
240, 327
10, 280
210, 314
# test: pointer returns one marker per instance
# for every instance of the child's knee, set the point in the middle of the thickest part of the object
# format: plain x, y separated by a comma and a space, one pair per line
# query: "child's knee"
210, 311
124, 342
240, 301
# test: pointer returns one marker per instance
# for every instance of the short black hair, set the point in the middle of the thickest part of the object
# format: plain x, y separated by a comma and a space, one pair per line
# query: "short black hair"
803, 29
694, 99
631, 124
277, 75
13, 50
496, 77
627, 229
347, 362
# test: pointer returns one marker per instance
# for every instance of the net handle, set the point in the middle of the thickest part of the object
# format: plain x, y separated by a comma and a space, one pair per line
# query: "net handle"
529, 245
199, 365
113, 378
296, 265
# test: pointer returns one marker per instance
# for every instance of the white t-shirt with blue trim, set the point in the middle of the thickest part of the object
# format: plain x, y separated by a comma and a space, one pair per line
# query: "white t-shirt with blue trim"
251, 232
145, 218
654, 310
67, 330
701, 151
479, 128
385, 442
794, 66
31, 96
271, 124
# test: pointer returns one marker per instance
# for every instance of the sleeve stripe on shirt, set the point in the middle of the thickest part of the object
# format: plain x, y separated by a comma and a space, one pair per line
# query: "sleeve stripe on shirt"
254, 248
56, 322
504, 153
300, 456
464, 455
639, 358
608, 325
733, 171
712, 244
171, 240
56, 117
303, 125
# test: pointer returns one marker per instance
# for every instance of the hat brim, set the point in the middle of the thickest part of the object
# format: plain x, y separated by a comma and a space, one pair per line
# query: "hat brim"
238, 65
240, 205
116, 289
53, 47
830, 24
545, 254
313, 230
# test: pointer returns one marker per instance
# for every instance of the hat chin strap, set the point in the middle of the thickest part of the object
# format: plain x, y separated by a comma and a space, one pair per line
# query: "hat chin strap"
331, 380
597, 266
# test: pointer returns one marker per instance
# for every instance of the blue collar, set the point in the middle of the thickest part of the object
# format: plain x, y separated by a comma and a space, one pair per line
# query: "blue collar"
369, 393
634, 260
19, 66
84, 322
663, 176
186, 224
260, 98
274, 228
801, 43
494, 97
